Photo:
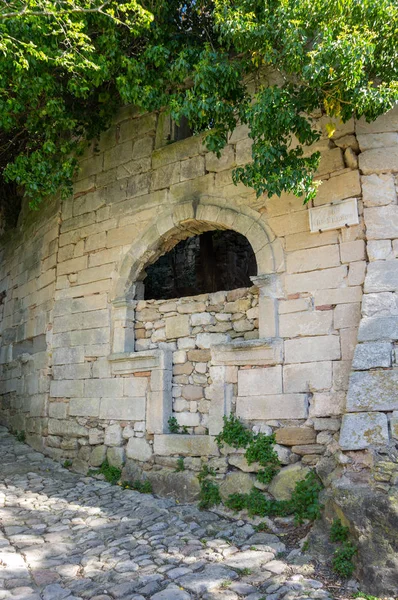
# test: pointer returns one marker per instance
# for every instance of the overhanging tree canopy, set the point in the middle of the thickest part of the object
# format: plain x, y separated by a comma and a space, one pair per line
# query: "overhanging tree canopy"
66, 66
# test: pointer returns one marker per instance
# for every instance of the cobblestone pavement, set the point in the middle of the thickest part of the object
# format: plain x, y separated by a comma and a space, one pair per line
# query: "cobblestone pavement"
67, 536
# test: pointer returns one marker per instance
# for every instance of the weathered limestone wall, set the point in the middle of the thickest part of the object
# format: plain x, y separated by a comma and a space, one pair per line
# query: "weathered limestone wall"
87, 384
27, 287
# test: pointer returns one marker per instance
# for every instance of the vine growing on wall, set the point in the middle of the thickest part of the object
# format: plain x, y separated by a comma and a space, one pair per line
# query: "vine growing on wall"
67, 65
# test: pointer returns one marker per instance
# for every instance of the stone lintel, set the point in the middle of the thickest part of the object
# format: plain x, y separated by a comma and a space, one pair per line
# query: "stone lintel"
134, 362
253, 352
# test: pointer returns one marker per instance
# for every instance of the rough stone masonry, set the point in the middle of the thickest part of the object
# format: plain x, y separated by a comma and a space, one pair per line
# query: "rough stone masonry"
92, 371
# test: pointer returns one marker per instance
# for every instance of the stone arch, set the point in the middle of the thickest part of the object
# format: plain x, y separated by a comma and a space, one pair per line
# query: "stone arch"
191, 218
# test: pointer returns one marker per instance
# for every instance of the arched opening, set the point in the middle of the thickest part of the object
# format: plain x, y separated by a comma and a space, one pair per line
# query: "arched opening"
217, 260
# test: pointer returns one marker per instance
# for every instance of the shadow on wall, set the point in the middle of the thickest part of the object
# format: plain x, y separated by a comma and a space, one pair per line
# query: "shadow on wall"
211, 262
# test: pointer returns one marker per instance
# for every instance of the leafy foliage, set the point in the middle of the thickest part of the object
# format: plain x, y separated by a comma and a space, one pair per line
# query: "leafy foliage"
338, 532
180, 464
259, 447
67, 65
234, 433
111, 474
175, 427
144, 487
342, 560
303, 504
209, 494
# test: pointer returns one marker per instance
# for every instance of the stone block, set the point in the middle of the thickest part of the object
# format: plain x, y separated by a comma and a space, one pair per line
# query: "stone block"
378, 328
331, 160
377, 140
248, 353
378, 190
341, 374
307, 377
192, 392
226, 160
113, 435
193, 167
116, 457
356, 273
325, 424
327, 404
372, 355
394, 427
338, 296
97, 456
203, 318
260, 382
361, 430
382, 303
385, 123
308, 260
293, 436
206, 340
382, 276
165, 176
135, 387
348, 341
236, 482
312, 349
138, 449
284, 482
379, 160
373, 391
379, 250
203, 355
175, 152
305, 323
66, 389
57, 410
347, 315
244, 151
66, 428
84, 407
122, 409
188, 419
66, 356
177, 327
185, 445
316, 280
98, 388
352, 251
281, 406
339, 187
381, 222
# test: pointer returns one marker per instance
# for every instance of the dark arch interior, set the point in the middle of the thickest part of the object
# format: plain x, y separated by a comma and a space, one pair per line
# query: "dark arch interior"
210, 262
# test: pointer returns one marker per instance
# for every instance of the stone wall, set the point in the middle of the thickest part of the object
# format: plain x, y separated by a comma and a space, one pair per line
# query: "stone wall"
188, 327
87, 366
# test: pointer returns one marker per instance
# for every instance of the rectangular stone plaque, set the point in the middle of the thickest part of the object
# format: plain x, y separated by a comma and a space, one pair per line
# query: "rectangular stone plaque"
334, 216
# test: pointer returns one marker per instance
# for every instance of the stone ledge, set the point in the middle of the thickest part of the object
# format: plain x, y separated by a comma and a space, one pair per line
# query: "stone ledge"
253, 352
185, 445
134, 362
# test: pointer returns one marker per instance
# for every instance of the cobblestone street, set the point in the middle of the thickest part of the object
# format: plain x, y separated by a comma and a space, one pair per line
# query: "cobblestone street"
67, 536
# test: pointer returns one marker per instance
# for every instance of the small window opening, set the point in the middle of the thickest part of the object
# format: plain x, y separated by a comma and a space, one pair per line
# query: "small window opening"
211, 262
180, 131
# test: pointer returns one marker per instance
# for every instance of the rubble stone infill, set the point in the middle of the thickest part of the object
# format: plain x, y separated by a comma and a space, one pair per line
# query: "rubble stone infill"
66, 536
